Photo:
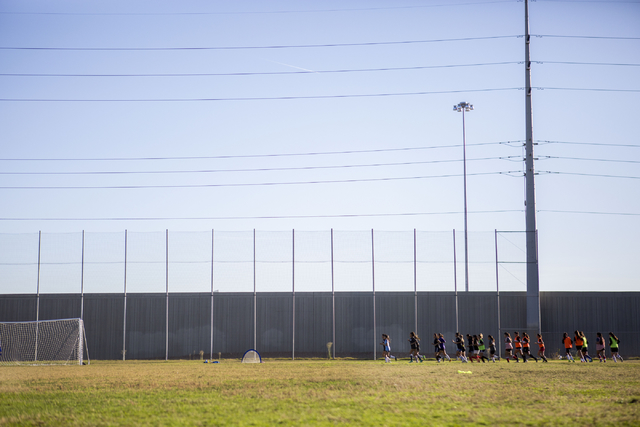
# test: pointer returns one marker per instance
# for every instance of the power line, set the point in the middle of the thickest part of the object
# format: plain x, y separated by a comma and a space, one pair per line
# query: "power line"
367, 95
258, 184
587, 159
206, 171
220, 218
586, 63
588, 143
244, 156
370, 95
589, 1
303, 46
338, 71
558, 36
587, 89
362, 9
590, 212
265, 73
589, 174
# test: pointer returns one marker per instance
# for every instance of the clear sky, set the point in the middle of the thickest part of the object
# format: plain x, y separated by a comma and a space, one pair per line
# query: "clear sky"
224, 113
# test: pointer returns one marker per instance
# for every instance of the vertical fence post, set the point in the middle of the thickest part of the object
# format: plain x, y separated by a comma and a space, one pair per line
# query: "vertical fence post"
373, 284
455, 277
82, 281
293, 292
415, 282
38, 294
124, 319
38, 279
166, 276
255, 300
333, 300
212, 290
499, 338
538, 290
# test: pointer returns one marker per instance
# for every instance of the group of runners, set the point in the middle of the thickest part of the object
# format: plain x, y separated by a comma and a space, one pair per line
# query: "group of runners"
582, 349
521, 345
516, 348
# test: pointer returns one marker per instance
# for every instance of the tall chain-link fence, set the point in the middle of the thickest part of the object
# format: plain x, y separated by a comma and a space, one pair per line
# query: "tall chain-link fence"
261, 261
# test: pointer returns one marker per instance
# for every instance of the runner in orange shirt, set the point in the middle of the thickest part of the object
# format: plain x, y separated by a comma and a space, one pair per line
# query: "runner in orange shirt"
518, 343
566, 340
577, 339
526, 347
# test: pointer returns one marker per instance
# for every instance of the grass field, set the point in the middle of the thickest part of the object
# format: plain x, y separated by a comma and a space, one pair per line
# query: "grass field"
320, 392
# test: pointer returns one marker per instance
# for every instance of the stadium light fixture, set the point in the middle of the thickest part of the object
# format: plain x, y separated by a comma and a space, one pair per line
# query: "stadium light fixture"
463, 107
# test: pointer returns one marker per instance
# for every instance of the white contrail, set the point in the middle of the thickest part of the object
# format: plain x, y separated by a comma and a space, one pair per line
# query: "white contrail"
292, 66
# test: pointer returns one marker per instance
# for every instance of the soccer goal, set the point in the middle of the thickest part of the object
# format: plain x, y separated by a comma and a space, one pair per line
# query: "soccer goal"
46, 342
251, 356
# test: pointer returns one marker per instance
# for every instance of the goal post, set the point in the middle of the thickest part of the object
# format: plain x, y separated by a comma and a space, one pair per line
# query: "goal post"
44, 342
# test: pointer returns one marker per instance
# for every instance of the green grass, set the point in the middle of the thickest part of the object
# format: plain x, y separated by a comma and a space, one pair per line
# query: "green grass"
320, 392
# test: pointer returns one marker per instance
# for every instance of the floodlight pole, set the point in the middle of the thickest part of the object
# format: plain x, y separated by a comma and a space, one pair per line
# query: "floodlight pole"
462, 107
533, 279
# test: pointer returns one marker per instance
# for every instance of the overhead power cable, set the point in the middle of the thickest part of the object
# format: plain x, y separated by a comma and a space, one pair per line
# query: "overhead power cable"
559, 36
589, 174
275, 98
265, 73
266, 98
541, 141
587, 89
255, 184
244, 156
219, 218
301, 46
590, 212
206, 171
590, 1
266, 12
587, 159
586, 63
284, 73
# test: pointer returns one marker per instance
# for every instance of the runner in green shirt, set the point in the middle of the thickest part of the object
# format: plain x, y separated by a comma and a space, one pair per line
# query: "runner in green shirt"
613, 344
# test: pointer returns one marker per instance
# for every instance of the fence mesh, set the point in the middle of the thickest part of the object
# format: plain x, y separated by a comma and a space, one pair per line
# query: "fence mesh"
103, 262
18, 263
264, 261
146, 262
60, 262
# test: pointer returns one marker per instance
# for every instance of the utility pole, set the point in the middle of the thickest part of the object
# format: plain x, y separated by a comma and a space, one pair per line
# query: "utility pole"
533, 280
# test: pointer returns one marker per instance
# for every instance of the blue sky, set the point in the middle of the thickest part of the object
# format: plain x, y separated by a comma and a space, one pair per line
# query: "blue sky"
99, 101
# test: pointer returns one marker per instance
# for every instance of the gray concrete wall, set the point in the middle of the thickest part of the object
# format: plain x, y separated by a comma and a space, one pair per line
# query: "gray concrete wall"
190, 322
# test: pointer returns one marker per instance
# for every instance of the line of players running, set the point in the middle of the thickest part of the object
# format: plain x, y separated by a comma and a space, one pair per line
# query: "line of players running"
476, 346
519, 345
582, 349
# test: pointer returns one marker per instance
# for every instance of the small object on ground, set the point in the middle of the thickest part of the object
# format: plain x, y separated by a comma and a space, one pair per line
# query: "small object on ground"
251, 356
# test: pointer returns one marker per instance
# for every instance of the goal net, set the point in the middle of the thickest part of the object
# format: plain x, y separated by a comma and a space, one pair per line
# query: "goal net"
251, 356
47, 342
